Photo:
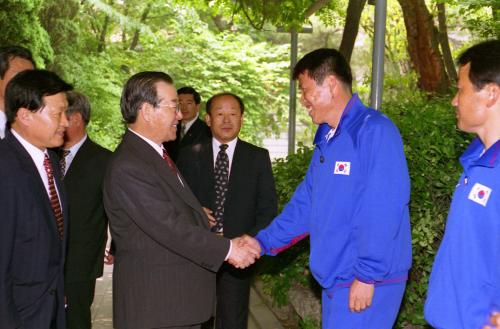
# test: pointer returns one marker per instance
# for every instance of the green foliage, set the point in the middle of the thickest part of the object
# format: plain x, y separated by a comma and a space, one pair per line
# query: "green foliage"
309, 323
432, 147
291, 266
21, 26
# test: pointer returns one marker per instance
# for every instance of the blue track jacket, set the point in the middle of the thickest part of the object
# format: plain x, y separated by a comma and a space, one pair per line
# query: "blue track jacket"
353, 203
465, 281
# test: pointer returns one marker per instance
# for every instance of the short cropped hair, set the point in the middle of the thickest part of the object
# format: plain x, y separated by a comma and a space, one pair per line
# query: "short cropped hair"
140, 89
238, 99
10, 52
78, 103
322, 62
484, 59
28, 88
190, 91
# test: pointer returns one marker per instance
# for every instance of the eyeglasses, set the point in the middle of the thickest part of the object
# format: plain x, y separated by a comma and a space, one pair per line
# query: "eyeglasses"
176, 107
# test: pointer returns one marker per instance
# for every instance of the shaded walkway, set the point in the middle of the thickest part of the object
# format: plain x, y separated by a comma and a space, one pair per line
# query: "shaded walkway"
260, 316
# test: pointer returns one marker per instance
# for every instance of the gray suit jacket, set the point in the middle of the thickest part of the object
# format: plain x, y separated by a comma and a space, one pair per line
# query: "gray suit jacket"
166, 257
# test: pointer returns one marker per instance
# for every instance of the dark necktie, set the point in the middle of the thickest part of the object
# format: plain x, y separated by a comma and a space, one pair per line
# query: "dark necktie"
54, 199
170, 163
62, 162
221, 174
183, 130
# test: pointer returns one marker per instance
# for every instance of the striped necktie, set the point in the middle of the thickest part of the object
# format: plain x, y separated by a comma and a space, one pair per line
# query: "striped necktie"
54, 198
62, 162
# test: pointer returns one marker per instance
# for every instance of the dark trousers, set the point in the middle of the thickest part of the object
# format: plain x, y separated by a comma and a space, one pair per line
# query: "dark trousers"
233, 293
80, 296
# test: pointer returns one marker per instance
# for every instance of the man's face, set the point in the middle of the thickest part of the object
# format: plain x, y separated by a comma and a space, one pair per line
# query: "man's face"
76, 126
165, 115
225, 118
16, 65
47, 125
470, 103
188, 106
316, 98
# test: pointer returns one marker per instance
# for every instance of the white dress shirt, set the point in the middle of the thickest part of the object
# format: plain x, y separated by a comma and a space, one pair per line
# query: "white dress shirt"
229, 151
3, 123
188, 125
158, 148
38, 157
72, 153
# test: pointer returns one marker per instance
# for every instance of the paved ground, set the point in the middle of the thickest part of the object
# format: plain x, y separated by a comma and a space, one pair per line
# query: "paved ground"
260, 316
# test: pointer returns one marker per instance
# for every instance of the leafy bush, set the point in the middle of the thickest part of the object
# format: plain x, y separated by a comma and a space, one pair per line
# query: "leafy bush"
432, 146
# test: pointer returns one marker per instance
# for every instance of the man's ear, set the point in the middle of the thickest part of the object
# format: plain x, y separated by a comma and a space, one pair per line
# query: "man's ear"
24, 116
492, 94
331, 82
146, 112
76, 119
207, 120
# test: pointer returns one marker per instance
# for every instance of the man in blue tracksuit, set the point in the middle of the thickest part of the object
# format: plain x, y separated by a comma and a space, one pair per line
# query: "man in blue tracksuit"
464, 288
353, 201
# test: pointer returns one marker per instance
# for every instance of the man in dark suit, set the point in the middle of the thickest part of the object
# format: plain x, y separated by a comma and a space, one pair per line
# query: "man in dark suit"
13, 59
191, 130
83, 164
166, 257
32, 203
248, 196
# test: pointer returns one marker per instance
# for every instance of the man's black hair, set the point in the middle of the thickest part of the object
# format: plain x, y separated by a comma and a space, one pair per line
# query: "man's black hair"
190, 91
484, 59
238, 99
28, 88
323, 62
139, 89
10, 52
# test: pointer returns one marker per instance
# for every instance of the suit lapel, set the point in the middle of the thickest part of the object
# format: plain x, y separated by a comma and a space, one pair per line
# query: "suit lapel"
236, 167
147, 153
30, 168
83, 154
206, 168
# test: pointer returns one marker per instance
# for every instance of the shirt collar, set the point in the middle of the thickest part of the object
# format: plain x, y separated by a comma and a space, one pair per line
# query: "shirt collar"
36, 154
230, 145
156, 147
474, 155
3, 124
190, 123
323, 129
74, 149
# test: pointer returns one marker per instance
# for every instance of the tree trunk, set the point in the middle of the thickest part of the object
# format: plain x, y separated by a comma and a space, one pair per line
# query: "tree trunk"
144, 16
445, 43
317, 5
102, 37
423, 47
351, 27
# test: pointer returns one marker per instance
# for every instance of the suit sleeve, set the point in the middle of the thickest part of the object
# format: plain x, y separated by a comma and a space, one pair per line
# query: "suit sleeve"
267, 201
292, 225
142, 200
9, 317
381, 218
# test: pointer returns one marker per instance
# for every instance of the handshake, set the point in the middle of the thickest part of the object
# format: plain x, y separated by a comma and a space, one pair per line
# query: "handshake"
244, 251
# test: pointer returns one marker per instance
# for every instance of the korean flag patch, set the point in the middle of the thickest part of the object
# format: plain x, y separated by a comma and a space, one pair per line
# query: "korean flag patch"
342, 168
480, 194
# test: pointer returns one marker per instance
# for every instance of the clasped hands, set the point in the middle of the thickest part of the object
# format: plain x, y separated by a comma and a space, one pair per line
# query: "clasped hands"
244, 251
